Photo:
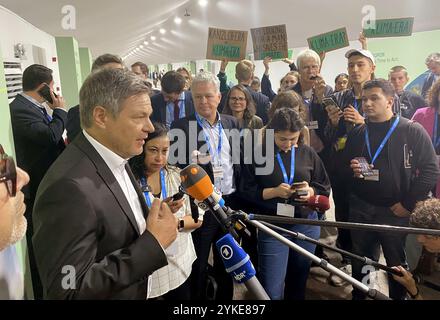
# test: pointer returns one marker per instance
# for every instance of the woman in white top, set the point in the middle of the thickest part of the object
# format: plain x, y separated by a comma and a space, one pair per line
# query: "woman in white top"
160, 180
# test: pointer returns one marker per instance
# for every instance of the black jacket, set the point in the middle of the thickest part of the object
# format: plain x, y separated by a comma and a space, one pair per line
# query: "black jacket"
228, 122
159, 107
429, 82
82, 219
414, 164
73, 125
409, 103
38, 142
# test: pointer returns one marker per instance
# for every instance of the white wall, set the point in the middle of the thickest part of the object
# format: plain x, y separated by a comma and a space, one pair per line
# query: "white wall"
17, 30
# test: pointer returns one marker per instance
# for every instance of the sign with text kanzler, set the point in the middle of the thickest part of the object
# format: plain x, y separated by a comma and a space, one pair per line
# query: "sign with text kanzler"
329, 41
270, 42
226, 44
389, 28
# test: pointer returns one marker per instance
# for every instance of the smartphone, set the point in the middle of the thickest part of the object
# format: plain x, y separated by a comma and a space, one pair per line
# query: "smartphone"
45, 93
179, 195
314, 77
298, 185
366, 171
330, 104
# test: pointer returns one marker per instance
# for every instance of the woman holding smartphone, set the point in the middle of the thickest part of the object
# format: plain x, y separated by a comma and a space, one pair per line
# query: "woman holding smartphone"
297, 174
160, 180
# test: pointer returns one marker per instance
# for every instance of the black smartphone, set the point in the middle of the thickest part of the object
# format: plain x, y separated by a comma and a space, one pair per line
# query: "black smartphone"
330, 103
179, 195
45, 93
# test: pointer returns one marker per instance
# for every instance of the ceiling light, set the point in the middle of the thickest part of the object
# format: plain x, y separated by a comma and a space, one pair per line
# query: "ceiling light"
177, 20
162, 31
146, 43
141, 46
203, 3
153, 38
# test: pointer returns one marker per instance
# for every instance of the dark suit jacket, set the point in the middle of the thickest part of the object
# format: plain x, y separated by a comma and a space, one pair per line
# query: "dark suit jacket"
82, 219
429, 82
228, 122
159, 107
38, 142
73, 125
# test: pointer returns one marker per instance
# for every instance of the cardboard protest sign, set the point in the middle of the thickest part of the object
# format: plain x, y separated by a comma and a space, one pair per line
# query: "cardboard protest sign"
226, 44
389, 28
329, 41
270, 42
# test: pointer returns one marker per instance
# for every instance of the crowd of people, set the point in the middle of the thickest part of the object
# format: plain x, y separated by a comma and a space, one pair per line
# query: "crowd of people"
106, 205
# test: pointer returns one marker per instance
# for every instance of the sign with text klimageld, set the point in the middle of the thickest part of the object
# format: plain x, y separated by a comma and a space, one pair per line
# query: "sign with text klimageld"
389, 28
270, 42
329, 41
226, 44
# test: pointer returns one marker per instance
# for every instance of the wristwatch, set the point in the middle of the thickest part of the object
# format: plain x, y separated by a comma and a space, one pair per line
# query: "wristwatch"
180, 225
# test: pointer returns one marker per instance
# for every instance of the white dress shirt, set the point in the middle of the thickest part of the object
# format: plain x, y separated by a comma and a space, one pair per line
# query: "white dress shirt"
116, 165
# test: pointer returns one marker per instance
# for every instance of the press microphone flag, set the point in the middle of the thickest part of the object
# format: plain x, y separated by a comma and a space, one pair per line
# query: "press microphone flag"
239, 266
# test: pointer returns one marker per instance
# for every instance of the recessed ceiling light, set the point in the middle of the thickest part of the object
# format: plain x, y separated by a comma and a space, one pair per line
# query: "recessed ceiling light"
162, 31
203, 3
146, 43
141, 46
153, 38
177, 20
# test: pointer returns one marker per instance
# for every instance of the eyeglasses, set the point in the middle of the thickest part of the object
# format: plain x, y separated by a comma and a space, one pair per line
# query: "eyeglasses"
237, 99
8, 173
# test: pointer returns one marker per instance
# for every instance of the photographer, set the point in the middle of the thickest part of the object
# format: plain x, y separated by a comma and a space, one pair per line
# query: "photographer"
298, 174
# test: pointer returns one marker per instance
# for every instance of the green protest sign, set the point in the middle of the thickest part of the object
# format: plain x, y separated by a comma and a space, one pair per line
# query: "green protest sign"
329, 41
389, 28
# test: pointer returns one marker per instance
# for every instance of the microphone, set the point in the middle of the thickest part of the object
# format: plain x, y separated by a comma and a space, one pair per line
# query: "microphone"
197, 184
317, 203
239, 266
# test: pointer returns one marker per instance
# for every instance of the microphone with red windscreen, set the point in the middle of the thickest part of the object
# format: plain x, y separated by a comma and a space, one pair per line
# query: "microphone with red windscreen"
317, 203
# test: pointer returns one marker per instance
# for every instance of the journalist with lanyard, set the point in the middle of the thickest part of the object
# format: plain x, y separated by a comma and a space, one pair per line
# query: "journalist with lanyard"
215, 154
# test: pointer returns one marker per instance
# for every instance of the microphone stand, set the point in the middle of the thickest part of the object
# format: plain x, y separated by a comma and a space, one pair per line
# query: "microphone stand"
364, 260
372, 293
343, 225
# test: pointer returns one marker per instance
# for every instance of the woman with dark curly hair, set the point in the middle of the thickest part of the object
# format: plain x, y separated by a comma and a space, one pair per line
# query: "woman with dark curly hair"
425, 215
298, 173
160, 180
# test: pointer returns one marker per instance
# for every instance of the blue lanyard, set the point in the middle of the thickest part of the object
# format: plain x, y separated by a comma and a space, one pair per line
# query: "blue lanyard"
435, 139
308, 102
220, 130
384, 141
163, 186
292, 167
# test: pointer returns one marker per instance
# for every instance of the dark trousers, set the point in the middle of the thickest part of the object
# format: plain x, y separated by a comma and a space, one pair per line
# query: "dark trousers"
367, 243
204, 239
340, 197
37, 286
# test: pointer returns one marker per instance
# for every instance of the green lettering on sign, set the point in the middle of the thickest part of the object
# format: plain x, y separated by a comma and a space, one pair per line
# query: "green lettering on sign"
273, 54
391, 28
226, 51
329, 41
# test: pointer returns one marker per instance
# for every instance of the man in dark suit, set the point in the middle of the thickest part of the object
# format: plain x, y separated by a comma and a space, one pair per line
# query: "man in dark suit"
173, 103
215, 153
73, 125
244, 72
38, 139
433, 64
94, 235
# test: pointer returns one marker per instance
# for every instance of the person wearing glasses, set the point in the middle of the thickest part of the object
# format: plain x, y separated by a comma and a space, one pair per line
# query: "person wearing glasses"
239, 104
13, 226
12, 221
